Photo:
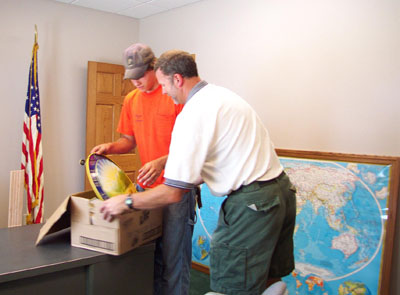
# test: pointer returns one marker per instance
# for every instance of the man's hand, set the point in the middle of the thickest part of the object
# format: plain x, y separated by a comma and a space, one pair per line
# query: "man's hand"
149, 173
114, 206
101, 149
124, 144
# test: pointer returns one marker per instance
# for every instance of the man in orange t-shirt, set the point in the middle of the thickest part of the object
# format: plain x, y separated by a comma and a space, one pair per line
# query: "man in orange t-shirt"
146, 121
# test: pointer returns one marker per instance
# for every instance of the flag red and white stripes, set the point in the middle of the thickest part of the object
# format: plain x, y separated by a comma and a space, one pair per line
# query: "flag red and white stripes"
32, 157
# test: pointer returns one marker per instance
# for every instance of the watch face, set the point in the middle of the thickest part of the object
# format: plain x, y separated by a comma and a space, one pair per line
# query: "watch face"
106, 178
129, 202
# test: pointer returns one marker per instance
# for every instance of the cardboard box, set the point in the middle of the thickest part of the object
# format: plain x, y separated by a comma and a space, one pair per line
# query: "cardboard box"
89, 230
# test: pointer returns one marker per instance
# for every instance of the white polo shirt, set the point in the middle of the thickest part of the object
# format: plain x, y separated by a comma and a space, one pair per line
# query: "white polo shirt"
219, 138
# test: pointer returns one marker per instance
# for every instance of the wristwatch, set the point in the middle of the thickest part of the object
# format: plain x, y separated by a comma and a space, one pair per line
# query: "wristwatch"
129, 202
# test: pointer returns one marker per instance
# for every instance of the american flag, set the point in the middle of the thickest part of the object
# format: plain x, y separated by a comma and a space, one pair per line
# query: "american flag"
32, 157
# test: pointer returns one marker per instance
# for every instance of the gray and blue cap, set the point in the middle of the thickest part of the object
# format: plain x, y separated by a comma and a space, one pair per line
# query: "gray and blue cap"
137, 59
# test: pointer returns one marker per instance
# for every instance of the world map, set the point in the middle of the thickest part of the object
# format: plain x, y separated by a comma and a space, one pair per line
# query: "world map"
340, 225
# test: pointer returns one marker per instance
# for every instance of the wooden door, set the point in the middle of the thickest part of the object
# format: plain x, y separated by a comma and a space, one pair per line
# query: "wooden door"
106, 90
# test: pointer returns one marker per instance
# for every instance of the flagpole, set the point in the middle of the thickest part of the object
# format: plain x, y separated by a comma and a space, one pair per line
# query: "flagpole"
32, 157
36, 34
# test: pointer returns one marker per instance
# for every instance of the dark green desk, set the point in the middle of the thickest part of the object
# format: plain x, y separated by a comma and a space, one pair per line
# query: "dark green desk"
54, 267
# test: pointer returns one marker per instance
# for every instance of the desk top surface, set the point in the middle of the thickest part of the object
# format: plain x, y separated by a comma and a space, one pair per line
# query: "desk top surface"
20, 257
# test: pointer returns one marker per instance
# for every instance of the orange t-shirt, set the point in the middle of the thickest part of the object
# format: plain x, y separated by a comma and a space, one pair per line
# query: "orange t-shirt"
150, 118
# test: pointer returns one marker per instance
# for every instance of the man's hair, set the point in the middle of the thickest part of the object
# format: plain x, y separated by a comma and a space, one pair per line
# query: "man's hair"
151, 64
177, 62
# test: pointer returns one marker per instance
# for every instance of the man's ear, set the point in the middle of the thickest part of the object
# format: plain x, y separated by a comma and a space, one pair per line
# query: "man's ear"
178, 80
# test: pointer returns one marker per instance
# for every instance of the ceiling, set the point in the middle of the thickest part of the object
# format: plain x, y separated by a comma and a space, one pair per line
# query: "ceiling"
132, 8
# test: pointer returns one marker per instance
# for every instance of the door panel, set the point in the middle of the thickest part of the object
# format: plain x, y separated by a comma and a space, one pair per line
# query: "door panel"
106, 90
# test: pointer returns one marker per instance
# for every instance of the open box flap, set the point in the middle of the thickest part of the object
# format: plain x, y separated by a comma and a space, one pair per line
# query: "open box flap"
59, 220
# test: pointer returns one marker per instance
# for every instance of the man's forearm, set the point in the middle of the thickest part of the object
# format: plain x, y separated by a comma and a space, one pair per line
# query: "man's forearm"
157, 197
122, 145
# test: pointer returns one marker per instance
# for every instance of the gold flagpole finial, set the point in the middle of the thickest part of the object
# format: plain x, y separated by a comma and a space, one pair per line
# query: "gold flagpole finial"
36, 34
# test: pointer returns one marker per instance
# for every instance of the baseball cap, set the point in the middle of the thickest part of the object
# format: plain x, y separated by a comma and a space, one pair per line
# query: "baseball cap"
137, 59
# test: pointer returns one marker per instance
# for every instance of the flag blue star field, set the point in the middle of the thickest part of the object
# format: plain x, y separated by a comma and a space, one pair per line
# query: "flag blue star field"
32, 157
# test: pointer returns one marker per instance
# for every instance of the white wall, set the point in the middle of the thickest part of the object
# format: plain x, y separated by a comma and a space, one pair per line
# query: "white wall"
69, 37
323, 75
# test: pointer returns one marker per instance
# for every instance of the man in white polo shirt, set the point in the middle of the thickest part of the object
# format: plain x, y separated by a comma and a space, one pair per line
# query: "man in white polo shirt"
219, 139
